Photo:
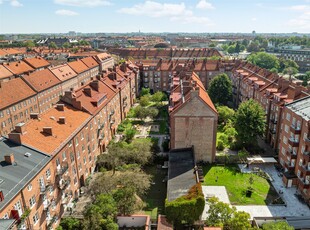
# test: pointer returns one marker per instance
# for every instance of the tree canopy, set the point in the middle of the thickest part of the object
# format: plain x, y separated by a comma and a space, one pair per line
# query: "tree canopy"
220, 89
279, 225
249, 122
264, 60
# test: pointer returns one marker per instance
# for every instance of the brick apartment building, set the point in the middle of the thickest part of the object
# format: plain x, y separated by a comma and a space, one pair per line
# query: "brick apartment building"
71, 136
295, 145
193, 117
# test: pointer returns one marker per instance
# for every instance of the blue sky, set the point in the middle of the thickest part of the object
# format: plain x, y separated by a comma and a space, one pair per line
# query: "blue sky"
60, 16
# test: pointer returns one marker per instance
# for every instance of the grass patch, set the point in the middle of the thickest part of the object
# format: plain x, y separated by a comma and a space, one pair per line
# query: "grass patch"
155, 197
236, 184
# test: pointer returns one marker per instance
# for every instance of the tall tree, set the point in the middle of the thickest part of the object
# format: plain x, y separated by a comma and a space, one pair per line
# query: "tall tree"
70, 223
264, 60
249, 122
220, 89
291, 71
52, 45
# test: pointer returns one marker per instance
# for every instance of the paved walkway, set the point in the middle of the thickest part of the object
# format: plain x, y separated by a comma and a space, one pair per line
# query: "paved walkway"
294, 206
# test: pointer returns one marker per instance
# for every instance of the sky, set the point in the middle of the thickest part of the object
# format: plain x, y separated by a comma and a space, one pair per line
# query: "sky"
202, 16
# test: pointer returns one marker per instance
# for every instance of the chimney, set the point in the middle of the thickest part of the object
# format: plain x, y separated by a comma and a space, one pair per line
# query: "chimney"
87, 91
48, 131
1, 196
9, 159
62, 120
60, 107
123, 67
112, 76
16, 138
20, 128
95, 85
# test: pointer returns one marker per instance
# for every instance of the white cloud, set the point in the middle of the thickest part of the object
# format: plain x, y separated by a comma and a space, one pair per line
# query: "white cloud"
203, 4
83, 3
254, 19
175, 12
303, 19
156, 9
66, 13
16, 3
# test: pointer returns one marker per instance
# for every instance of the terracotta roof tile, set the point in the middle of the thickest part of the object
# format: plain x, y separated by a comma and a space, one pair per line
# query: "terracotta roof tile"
41, 80
90, 62
14, 91
37, 62
61, 132
18, 67
78, 66
11, 51
4, 72
63, 72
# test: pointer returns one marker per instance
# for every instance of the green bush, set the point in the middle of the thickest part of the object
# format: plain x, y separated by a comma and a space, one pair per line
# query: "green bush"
220, 145
186, 209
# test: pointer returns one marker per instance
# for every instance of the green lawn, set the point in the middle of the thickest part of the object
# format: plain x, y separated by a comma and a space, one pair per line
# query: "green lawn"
236, 184
155, 198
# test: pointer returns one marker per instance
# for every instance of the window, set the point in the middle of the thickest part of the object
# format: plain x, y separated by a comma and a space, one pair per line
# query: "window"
283, 150
29, 187
82, 136
84, 159
76, 141
35, 218
74, 171
75, 180
32, 201
70, 143
1, 114
48, 173
286, 128
285, 140
57, 162
64, 156
71, 157
288, 116
51, 189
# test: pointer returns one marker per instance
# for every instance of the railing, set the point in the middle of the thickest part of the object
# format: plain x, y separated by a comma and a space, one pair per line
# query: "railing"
63, 184
307, 139
46, 204
295, 127
62, 170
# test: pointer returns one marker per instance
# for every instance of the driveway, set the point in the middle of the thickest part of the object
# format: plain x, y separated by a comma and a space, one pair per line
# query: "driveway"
294, 206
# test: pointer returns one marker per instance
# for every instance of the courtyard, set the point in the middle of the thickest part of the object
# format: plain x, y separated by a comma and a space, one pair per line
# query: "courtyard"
292, 207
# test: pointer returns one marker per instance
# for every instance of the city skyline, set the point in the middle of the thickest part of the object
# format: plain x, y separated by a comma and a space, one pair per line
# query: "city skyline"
201, 16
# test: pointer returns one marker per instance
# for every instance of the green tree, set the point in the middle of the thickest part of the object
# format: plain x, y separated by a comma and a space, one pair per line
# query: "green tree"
249, 122
264, 60
220, 89
144, 100
152, 112
141, 112
129, 134
125, 200
279, 225
70, 223
159, 97
66, 45
225, 114
52, 45
231, 49
291, 71
253, 47
237, 48
222, 215
29, 44
144, 91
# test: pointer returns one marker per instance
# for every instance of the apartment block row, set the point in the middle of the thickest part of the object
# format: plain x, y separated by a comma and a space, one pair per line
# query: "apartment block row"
157, 74
287, 114
47, 160
32, 85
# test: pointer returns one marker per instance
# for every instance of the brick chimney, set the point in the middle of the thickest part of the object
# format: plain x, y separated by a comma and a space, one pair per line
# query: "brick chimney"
62, 120
87, 91
1, 196
95, 85
112, 76
60, 107
16, 138
9, 159
123, 67
48, 131
20, 128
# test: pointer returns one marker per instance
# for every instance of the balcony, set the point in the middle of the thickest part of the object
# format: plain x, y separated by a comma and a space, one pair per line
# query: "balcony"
295, 129
304, 183
65, 199
64, 184
101, 136
305, 169
51, 221
45, 188
46, 204
273, 121
307, 139
291, 154
272, 131
306, 156
62, 170
293, 142
289, 166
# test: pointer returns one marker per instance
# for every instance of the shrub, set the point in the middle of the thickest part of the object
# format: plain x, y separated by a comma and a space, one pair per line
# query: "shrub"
186, 209
220, 145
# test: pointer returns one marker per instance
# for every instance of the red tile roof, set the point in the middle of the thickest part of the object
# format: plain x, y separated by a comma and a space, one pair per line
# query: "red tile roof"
90, 62
78, 66
18, 67
4, 72
37, 62
14, 91
50, 144
41, 80
63, 72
